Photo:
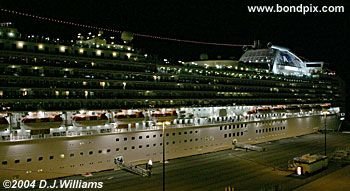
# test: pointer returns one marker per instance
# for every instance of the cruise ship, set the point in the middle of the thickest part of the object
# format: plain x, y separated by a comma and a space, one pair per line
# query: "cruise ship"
71, 107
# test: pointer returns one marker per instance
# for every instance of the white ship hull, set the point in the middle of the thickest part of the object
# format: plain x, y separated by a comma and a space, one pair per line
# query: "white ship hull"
92, 153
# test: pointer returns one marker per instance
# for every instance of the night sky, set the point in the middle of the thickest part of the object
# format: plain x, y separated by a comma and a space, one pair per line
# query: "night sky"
315, 36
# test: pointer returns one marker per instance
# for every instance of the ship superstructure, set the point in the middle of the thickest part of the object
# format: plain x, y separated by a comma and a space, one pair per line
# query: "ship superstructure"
70, 108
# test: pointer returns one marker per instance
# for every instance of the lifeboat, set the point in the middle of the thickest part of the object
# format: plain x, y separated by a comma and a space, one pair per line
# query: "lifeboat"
166, 116
279, 109
293, 109
264, 110
84, 120
123, 119
326, 106
127, 118
306, 108
54, 121
252, 111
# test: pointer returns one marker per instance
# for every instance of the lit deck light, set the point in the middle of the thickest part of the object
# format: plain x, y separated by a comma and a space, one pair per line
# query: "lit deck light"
40, 46
20, 44
11, 34
62, 49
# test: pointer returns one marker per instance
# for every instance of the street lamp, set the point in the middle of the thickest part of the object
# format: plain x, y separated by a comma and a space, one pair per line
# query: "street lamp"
325, 132
163, 124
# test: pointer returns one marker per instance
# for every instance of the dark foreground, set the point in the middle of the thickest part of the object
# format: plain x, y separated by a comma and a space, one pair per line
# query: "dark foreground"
238, 169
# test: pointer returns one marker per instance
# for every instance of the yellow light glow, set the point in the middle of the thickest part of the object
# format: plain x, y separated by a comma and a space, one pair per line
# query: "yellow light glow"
20, 44
62, 49
40, 46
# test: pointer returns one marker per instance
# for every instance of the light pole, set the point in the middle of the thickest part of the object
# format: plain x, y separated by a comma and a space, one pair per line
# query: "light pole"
164, 123
325, 133
163, 157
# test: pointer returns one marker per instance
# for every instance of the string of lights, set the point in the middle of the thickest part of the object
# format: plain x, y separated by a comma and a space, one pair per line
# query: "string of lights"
48, 19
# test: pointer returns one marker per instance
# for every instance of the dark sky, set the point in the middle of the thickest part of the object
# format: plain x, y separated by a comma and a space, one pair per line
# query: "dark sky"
315, 36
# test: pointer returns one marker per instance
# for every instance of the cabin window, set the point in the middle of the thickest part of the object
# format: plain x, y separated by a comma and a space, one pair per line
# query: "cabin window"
99, 151
108, 150
225, 135
117, 139
82, 153
140, 137
51, 157
132, 138
40, 158
29, 160
4, 163
154, 136
147, 136
17, 161
117, 149
125, 138
71, 155
91, 152
125, 148
133, 147
140, 146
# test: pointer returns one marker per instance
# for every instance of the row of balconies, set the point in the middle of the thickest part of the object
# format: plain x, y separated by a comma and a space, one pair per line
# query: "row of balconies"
77, 104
